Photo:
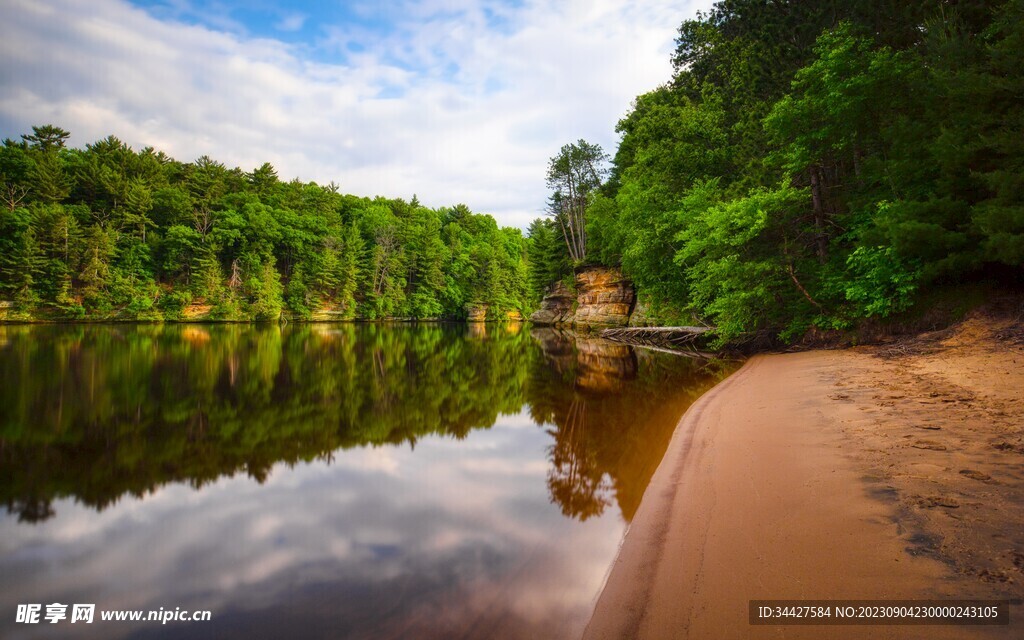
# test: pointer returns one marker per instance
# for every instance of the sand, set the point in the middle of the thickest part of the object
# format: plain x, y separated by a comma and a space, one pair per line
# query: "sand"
867, 473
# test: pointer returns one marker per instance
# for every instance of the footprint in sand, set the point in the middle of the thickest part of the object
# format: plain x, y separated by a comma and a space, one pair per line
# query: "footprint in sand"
994, 576
929, 444
979, 476
930, 502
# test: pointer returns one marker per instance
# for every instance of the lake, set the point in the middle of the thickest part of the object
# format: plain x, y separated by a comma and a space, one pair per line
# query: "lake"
324, 480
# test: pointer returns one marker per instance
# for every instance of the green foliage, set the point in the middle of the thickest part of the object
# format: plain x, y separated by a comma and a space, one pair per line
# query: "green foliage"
574, 174
47, 138
107, 232
878, 283
263, 287
603, 230
173, 303
670, 145
549, 257
819, 164
736, 277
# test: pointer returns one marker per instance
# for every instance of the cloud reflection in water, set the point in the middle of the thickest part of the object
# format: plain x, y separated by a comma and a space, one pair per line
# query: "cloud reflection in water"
426, 497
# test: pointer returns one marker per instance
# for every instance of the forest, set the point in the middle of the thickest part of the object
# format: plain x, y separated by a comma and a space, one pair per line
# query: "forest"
809, 166
108, 233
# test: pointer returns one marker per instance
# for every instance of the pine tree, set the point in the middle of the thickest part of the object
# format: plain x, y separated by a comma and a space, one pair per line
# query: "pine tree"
29, 261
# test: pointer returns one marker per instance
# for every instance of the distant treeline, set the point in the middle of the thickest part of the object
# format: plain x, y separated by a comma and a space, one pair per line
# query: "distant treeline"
107, 232
809, 164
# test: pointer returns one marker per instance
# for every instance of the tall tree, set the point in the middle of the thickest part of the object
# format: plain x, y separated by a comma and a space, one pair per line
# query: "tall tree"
575, 173
47, 138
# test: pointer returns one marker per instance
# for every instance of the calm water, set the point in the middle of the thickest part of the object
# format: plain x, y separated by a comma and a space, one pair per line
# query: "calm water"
324, 481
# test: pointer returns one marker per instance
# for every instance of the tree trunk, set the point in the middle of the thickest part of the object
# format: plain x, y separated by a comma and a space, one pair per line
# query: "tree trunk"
819, 214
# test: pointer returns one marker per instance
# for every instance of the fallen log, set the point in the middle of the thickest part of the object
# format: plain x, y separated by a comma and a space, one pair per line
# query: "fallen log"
656, 336
685, 352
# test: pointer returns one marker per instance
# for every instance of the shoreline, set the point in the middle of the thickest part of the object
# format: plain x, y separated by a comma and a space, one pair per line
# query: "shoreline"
806, 476
260, 322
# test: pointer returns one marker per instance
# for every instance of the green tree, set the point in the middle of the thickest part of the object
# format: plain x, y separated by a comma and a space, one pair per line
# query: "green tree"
16, 171
573, 175
96, 274
47, 138
115, 233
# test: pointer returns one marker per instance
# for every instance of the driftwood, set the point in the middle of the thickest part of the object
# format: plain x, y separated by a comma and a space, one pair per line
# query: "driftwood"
671, 338
686, 352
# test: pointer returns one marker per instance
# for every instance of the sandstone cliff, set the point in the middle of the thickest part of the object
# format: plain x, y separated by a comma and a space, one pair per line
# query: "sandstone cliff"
476, 312
604, 298
556, 307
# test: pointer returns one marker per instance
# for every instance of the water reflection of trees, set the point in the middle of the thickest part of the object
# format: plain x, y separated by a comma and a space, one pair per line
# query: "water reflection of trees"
97, 412
611, 411
576, 481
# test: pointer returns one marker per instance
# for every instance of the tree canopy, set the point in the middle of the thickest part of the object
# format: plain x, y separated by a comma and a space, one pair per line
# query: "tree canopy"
816, 164
574, 174
106, 232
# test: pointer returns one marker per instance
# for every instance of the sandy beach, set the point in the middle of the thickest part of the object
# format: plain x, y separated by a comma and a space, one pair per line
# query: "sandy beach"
869, 473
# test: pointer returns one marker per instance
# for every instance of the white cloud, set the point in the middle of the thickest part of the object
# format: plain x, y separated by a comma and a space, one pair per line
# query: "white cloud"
478, 547
463, 101
292, 22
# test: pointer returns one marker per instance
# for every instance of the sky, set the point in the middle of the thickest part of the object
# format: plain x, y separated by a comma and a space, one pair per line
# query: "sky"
455, 101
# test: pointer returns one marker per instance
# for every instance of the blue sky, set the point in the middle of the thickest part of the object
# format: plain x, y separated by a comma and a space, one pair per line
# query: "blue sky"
451, 100
313, 26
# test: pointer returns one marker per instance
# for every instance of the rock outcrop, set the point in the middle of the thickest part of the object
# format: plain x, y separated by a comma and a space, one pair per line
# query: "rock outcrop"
604, 298
641, 316
556, 307
476, 312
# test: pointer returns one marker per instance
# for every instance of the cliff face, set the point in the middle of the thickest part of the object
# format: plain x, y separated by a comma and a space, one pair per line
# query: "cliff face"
476, 312
641, 317
605, 298
556, 307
